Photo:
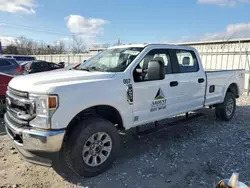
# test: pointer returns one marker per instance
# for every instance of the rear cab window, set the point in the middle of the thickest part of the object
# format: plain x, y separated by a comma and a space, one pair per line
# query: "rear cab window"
186, 61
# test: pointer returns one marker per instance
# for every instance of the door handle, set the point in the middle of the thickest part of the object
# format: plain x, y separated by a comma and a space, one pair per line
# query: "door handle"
173, 83
201, 80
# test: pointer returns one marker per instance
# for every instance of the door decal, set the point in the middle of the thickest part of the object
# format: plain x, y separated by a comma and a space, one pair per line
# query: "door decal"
159, 102
130, 94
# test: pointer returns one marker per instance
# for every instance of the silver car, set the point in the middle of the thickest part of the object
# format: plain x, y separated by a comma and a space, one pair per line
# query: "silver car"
10, 66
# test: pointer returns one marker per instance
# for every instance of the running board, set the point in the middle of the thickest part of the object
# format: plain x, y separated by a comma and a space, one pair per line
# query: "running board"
139, 134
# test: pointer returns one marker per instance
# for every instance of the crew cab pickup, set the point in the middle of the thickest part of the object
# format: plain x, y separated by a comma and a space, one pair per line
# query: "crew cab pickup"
79, 113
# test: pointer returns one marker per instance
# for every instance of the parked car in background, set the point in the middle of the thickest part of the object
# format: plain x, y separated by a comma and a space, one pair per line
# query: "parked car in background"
40, 66
4, 81
10, 66
22, 65
62, 64
72, 66
20, 58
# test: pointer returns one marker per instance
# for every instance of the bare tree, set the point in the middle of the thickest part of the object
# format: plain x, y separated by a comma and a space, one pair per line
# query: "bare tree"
77, 44
96, 46
60, 47
106, 45
11, 49
25, 45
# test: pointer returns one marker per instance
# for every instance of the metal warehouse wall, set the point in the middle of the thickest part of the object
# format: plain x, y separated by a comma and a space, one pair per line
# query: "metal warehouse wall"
67, 58
225, 55
217, 55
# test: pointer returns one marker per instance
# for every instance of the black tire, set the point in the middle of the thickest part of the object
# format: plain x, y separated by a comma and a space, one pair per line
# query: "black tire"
2, 106
221, 109
73, 146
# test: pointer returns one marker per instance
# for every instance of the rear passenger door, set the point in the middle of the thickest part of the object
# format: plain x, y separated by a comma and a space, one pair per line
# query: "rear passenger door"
187, 82
45, 66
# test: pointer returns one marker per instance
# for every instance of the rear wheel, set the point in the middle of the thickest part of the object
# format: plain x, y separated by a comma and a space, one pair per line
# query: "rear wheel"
92, 147
226, 110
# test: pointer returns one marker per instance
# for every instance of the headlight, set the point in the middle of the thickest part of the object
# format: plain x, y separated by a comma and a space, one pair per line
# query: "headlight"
45, 107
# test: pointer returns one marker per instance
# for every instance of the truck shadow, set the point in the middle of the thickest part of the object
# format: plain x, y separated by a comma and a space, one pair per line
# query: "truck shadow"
135, 149
134, 146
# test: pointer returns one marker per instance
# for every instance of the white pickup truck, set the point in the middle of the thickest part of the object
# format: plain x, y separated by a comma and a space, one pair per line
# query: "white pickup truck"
79, 113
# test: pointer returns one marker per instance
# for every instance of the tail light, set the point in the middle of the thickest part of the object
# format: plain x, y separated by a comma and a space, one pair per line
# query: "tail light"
19, 69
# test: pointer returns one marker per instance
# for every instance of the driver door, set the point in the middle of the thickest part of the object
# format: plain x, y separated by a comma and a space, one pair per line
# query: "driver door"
151, 97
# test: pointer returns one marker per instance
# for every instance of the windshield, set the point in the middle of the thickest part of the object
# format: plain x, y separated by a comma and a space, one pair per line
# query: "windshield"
111, 60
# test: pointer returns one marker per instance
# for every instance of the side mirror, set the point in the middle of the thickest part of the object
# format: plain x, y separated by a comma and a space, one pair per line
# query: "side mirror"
156, 70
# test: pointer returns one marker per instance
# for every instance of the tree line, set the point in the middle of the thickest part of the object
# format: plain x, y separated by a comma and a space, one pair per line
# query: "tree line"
26, 46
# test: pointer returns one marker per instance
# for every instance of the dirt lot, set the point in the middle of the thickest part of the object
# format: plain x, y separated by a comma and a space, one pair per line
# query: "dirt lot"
194, 154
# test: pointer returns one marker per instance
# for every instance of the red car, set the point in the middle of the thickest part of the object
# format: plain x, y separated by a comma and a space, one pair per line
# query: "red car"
4, 81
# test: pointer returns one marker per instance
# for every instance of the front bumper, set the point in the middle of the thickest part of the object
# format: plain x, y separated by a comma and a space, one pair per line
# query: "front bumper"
30, 142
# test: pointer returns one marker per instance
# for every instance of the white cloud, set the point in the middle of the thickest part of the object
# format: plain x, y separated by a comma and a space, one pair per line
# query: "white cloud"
65, 39
240, 30
88, 28
223, 3
232, 31
18, 6
7, 40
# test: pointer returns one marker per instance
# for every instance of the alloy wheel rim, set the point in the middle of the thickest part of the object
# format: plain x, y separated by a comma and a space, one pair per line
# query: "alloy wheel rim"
230, 107
97, 149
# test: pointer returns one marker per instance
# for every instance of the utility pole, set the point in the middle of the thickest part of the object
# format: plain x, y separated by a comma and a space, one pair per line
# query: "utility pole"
119, 42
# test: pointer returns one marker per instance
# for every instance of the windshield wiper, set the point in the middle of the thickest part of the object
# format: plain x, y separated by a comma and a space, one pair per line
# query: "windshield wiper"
93, 68
84, 69
89, 69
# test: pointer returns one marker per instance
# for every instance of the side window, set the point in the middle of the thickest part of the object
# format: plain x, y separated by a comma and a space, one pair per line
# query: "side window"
51, 65
44, 65
187, 61
4, 63
140, 73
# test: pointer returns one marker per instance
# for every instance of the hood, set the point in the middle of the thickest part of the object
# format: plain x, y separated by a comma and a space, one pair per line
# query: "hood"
46, 81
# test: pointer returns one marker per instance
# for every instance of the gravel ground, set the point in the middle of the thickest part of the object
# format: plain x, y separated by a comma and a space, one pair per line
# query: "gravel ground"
194, 154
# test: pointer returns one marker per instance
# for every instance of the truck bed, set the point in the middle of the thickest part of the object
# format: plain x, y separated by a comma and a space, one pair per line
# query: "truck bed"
220, 81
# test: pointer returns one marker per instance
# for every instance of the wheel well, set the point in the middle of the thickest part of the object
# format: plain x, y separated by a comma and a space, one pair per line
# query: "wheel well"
234, 89
104, 111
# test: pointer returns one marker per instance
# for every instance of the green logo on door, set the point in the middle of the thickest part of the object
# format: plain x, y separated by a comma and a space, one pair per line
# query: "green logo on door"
159, 95
159, 103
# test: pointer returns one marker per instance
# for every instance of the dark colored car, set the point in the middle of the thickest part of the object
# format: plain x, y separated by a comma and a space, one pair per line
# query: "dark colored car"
4, 81
40, 66
21, 58
62, 64
10, 66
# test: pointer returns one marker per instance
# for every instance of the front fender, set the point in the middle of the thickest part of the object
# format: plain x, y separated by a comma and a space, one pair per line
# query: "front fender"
90, 95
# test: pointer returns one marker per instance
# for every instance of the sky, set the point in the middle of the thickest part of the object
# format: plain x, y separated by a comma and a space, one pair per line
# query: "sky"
130, 21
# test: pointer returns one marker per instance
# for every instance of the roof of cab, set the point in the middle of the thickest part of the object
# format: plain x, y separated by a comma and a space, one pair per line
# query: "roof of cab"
130, 45
154, 44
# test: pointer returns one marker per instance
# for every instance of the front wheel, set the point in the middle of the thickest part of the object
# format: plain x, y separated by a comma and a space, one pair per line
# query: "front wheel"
92, 147
226, 110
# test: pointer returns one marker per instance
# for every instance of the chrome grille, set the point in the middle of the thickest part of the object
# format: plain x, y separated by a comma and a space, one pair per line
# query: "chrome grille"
18, 93
15, 121
20, 109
